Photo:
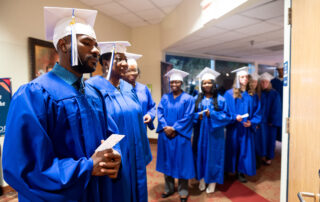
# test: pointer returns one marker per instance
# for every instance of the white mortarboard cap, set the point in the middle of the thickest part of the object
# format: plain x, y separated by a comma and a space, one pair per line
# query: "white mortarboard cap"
255, 76
176, 74
207, 74
62, 22
132, 58
241, 71
118, 46
266, 76
113, 47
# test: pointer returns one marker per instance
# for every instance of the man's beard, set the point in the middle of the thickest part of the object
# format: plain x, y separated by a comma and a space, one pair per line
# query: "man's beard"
83, 65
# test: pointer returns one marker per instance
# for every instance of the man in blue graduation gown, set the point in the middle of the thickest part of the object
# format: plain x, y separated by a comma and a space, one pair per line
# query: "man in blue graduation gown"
55, 124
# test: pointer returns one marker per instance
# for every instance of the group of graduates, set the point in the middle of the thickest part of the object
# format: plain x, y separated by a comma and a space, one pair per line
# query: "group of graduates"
56, 122
192, 141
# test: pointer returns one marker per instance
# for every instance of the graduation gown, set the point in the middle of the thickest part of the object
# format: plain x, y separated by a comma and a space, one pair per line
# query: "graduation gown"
271, 121
209, 155
124, 109
147, 104
52, 131
174, 156
277, 84
240, 148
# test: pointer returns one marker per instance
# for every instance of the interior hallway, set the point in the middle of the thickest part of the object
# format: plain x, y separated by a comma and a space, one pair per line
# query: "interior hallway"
265, 186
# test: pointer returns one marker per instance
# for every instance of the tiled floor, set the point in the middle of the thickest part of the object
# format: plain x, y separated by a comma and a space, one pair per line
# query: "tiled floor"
265, 186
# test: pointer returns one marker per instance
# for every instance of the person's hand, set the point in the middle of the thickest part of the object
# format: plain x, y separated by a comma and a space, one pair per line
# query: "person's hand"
200, 116
173, 134
166, 131
207, 113
146, 118
106, 163
170, 130
239, 118
247, 124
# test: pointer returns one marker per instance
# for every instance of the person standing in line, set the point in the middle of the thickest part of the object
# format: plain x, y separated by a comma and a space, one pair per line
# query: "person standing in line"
254, 90
271, 119
245, 115
277, 84
174, 156
142, 91
55, 123
210, 118
125, 111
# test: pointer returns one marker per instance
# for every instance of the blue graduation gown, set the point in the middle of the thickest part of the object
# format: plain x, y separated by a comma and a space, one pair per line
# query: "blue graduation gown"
240, 148
124, 109
174, 156
52, 131
277, 84
209, 157
271, 120
147, 104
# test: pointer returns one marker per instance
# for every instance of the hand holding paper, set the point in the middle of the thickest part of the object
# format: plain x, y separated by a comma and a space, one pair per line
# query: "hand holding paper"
110, 142
245, 115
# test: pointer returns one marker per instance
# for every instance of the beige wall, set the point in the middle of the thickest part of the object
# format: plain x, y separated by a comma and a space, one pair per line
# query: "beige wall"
146, 41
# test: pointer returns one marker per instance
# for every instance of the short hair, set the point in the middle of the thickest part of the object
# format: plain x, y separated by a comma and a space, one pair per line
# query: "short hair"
105, 56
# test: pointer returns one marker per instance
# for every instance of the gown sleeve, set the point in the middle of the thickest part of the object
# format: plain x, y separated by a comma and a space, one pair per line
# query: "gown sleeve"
230, 105
184, 126
275, 110
256, 112
196, 113
160, 113
222, 117
151, 108
30, 165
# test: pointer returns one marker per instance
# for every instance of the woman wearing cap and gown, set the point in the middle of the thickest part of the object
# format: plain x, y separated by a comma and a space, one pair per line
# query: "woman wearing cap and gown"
174, 156
245, 115
142, 91
254, 91
210, 118
271, 119
124, 109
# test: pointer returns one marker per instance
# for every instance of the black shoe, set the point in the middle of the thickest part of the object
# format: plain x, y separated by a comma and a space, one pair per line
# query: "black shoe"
183, 199
242, 178
258, 162
165, 195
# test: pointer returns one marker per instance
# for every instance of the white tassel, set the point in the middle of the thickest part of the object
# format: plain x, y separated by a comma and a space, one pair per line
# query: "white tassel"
238, 82
111, 62
74, 45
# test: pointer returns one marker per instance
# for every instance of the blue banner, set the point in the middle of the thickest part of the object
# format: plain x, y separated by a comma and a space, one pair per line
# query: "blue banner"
5, 98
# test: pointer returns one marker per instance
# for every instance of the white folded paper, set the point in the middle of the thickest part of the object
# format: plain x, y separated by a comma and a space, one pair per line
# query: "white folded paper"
110, 142
203, 111
245, 115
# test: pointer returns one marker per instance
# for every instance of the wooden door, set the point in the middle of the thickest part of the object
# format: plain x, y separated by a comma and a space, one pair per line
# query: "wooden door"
304, 136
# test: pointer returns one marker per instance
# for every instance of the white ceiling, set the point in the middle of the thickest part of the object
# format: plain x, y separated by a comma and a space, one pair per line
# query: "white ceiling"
253, 34
135, 13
